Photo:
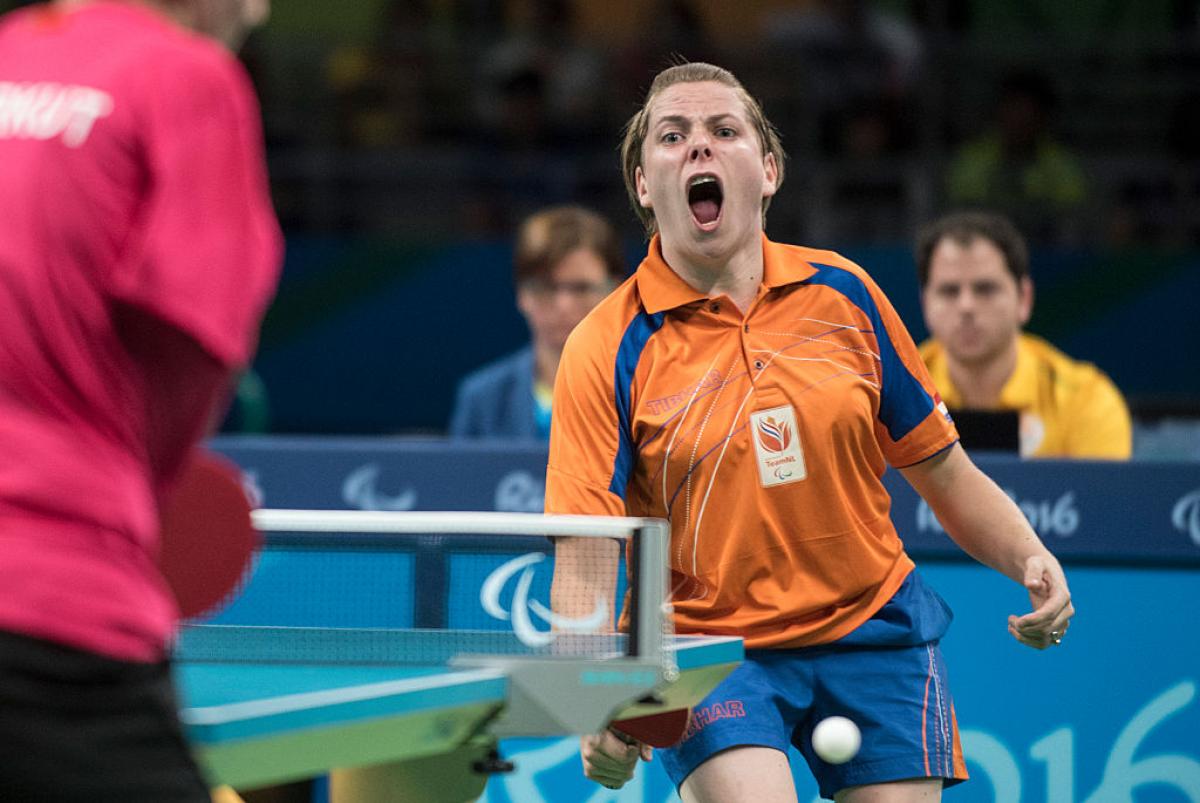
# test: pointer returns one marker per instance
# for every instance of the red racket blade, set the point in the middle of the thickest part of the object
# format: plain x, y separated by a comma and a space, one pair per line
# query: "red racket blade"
657, 730
207, 539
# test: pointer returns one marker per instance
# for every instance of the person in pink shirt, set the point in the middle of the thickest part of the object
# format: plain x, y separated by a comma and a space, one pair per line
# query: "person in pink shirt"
138, 253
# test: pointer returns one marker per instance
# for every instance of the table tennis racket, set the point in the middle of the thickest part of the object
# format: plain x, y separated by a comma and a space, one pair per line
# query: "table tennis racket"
665, 729
208, 541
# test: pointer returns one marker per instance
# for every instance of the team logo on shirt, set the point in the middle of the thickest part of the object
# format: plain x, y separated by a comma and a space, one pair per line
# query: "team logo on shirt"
774, 436
777, 445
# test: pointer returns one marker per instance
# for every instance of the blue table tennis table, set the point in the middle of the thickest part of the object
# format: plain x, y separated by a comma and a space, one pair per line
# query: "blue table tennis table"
264, 705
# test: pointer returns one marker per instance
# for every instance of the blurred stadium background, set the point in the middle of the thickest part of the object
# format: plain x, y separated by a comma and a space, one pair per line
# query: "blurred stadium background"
407, 137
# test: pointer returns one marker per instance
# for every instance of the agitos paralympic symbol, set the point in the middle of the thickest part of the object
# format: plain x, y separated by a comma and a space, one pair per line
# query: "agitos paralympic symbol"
523, 609
1185, 515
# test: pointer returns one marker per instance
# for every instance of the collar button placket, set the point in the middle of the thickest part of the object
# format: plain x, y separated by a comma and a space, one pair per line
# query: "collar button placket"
753, 363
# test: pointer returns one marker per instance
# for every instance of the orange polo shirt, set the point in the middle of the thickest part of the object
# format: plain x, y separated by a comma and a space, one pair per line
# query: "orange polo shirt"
761, 437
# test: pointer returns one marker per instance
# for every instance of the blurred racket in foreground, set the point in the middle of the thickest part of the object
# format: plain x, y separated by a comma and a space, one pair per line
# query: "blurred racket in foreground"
208, 541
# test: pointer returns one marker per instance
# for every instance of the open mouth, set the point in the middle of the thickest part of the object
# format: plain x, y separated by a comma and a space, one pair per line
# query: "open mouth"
704, 198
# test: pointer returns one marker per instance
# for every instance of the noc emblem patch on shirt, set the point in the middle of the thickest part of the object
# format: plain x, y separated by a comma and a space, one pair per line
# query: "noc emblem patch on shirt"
777, 445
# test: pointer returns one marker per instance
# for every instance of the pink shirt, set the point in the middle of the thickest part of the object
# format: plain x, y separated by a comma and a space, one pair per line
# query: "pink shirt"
132, 185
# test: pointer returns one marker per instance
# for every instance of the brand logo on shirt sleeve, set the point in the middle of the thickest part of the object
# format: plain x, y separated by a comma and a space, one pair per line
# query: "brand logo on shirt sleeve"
941, 407
777, 445
48, 110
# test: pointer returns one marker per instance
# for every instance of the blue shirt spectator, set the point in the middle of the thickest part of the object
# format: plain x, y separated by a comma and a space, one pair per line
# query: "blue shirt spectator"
567, 259
497, 401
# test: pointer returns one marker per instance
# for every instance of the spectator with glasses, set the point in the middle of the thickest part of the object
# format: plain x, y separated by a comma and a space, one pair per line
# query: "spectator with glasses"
567, 260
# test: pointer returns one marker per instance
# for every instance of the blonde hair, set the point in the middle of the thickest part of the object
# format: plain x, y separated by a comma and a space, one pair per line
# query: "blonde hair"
691, 73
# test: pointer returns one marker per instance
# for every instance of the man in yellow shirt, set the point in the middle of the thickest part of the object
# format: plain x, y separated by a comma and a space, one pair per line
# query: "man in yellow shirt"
976, 293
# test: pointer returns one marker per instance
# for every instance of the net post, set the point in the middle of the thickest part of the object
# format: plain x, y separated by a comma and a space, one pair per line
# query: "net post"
647, 619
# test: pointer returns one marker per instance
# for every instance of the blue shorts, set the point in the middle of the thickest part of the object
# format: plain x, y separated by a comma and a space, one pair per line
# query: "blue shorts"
896, 693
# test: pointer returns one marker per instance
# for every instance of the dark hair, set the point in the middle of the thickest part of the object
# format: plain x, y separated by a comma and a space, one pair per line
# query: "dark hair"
545, 237
691, 72
965, 228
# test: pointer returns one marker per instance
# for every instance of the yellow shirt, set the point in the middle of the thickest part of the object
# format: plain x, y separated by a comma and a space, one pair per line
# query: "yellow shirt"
1068, 408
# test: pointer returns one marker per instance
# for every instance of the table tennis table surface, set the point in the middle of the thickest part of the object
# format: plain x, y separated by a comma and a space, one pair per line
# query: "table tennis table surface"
262, 705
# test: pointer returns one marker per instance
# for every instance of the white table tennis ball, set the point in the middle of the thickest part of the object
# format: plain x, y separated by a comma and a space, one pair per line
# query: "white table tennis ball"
836, 739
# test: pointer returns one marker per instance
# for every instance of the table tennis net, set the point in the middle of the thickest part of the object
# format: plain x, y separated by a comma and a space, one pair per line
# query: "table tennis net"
404, 587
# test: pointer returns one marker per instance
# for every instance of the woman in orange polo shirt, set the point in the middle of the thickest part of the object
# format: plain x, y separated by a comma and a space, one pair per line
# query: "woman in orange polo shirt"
754, 393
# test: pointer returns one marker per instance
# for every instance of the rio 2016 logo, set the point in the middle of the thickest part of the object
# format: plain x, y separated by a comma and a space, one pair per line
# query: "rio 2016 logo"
995, 767
774, 435
1059, 517
1123, 773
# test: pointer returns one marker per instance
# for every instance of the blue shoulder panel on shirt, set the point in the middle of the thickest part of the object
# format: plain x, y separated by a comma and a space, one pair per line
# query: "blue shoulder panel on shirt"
633, 342
903, 403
